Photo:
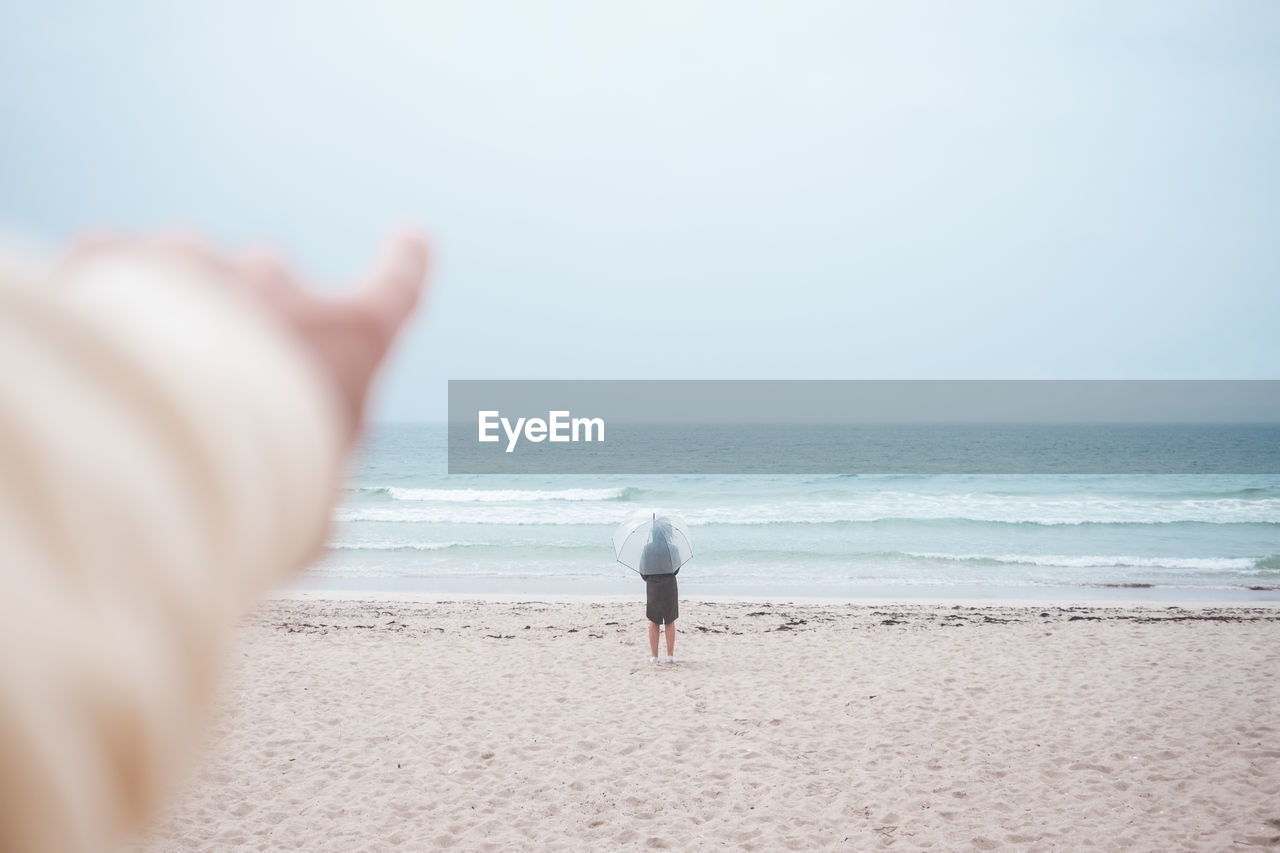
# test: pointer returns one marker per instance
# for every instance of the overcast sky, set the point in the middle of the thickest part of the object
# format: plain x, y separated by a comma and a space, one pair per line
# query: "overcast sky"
693, 189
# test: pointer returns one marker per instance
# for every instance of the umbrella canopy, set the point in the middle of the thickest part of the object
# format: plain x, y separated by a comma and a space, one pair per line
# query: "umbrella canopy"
652, 543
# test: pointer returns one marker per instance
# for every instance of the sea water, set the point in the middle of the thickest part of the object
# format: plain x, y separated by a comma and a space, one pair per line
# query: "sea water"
405, 525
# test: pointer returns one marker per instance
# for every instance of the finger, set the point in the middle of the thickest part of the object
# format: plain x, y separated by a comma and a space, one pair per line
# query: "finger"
85, 247
395, 285
268, 275
192, 247
94, 241
186, 246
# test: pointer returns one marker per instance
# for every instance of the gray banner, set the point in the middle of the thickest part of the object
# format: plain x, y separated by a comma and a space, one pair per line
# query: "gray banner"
864, 426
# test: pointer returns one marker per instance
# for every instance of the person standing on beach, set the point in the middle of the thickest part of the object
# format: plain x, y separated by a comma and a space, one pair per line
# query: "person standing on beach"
173, 428
658, 568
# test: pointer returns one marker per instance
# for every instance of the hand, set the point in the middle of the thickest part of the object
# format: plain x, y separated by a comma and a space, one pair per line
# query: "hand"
349, 335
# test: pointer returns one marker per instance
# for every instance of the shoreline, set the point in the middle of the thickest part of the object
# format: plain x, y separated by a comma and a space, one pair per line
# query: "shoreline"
427, 597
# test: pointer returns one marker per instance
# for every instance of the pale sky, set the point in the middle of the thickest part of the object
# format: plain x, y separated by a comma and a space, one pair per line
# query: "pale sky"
698, 190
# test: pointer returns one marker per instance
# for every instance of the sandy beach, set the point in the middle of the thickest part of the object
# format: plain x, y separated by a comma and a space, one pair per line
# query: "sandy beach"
351, 726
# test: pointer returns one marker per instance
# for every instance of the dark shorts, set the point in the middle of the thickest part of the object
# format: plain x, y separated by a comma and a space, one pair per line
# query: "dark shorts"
663, 599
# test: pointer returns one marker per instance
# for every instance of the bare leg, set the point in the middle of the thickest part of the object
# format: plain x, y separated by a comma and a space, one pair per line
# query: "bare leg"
653, 639
671, 640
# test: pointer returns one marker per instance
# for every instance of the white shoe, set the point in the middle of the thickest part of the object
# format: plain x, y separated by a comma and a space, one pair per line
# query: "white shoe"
671, 658
653, 660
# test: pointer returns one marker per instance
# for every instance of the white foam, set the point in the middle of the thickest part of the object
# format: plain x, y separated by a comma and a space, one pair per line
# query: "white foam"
881, 506
503, 495
392, 545
1101, 561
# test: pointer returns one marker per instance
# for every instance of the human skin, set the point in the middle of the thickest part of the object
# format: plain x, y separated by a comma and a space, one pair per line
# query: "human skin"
347, 335
653, 639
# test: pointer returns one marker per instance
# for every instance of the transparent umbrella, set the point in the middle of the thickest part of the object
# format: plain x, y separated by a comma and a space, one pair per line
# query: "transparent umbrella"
653, 543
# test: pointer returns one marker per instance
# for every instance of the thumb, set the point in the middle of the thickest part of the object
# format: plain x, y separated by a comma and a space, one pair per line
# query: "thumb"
394, 286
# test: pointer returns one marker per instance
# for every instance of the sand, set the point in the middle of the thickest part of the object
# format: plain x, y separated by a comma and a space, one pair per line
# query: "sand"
503, 726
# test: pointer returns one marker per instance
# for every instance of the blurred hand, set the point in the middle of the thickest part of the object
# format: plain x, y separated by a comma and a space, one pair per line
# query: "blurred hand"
348, 335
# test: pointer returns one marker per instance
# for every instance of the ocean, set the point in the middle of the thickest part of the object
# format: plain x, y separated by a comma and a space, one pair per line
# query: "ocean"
405, 525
